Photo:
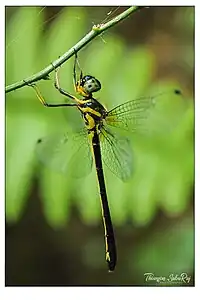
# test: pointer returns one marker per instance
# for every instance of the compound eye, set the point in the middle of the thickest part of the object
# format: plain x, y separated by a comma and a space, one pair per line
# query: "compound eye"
92, 85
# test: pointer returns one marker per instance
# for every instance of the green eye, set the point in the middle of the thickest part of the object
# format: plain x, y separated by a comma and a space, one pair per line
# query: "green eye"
91, 84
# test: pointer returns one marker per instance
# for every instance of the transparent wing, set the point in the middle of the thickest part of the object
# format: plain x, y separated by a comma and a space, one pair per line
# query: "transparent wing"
142, 113
69, 154
130, 115
116, 154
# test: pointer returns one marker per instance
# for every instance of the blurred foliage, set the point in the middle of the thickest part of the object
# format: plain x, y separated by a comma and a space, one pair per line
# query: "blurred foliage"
163, 175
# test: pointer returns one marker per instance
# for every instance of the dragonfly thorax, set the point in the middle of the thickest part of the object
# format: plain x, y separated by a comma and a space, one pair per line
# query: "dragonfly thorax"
93, 113
95, 108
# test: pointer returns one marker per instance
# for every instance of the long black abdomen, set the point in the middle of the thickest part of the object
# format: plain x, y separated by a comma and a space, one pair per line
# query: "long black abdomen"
111, 254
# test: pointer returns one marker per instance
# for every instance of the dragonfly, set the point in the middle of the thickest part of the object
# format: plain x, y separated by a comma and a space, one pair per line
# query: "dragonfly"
96, 142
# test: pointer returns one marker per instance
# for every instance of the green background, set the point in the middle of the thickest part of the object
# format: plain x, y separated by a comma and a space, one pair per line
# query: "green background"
54, 233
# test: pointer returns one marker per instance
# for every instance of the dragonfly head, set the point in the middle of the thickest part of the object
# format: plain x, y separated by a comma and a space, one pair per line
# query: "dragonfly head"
88, 85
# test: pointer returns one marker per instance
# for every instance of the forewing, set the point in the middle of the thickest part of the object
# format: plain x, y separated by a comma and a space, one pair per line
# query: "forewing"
160, 113
131, 115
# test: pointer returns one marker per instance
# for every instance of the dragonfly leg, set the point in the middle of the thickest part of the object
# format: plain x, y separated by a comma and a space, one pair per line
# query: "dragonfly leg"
76, 63
42, 100
63, 92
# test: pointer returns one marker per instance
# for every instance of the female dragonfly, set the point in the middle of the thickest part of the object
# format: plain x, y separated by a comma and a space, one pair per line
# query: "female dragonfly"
96, 141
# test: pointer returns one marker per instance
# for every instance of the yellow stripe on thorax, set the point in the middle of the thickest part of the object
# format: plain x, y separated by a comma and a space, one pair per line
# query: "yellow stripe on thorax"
91, 121
90, 110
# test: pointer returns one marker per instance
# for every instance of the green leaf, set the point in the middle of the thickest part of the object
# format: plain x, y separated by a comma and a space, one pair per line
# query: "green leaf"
22, 134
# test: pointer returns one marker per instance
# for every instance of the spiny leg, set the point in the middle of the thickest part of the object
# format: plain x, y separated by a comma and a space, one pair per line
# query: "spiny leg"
76, 63
74, 70
61, 90
42, 100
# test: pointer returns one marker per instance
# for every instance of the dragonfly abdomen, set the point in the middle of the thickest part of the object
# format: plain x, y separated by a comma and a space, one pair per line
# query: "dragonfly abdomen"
111, 253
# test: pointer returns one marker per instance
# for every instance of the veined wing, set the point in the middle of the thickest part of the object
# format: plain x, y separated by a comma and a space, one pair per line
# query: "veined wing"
134, 115
69, 154
130, 115
116, 154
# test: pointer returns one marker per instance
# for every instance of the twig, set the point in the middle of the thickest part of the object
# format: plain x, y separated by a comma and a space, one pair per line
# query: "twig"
96, 30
